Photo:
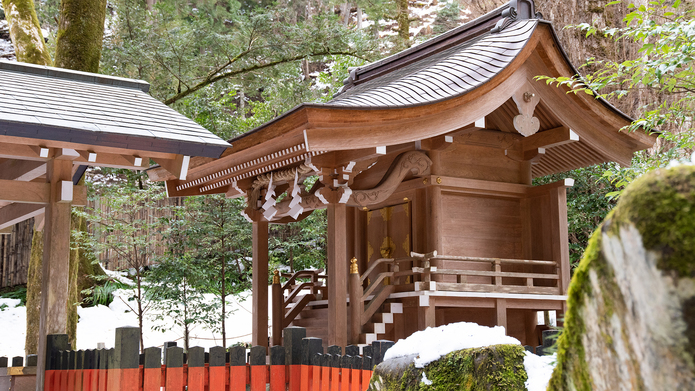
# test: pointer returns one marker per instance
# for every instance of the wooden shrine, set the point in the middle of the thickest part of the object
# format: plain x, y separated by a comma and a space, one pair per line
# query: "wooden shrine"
425, 162
53, 124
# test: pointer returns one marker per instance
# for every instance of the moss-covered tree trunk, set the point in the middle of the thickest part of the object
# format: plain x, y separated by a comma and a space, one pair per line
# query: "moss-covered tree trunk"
25, 32
403, 19
31, 345
80, 34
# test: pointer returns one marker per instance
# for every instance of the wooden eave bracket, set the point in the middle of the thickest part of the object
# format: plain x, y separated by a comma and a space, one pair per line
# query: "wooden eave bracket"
415, 162
177, 167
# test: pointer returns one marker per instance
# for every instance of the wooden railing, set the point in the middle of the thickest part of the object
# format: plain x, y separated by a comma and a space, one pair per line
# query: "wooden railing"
524, 282
290, 298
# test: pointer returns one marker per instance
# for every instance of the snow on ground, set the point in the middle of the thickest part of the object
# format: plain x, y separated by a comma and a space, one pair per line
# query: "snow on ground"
432, 343
98, 324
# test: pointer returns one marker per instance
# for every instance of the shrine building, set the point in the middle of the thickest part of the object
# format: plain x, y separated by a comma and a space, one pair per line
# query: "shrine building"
425, 162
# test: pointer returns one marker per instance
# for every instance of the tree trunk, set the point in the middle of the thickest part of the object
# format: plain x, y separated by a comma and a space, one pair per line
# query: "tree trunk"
403, 19
80, 34
31, 344
25, 32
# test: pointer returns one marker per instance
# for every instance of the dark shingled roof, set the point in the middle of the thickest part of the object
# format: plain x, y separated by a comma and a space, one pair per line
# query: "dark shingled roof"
446, 74
64, 105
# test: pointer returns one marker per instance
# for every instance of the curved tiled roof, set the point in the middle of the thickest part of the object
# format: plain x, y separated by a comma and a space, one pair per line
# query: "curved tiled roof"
447, 74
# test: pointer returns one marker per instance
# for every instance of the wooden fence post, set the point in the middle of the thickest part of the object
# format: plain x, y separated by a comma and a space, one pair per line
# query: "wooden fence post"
174, 371
356, 304
356, 382
258, 368
152, 371
196, 369
379, 349
54, 344
345, 364
310, 346
277, 369
79, 370
64, 368
351, 351
104, 365
237, 368
218, 371
89, 379
335, 351
278, 309
366, 369
292, 341
124, 374
323, 377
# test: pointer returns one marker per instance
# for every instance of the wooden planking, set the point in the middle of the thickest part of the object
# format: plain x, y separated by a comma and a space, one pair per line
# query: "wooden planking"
15, 250
478, 162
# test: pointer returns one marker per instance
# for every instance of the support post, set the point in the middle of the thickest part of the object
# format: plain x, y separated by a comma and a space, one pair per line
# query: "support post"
54, 284
426, 312
337, 274
278, 309
356, 303
560, 236
260, 283
501, 313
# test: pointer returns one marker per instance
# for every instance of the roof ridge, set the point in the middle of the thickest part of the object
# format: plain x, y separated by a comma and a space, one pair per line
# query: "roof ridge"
494, 21
68, 74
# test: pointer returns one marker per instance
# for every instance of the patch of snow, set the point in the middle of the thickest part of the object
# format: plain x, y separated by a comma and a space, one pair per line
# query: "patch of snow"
539, 370
434, 342
98, 324
425, 380
674, 163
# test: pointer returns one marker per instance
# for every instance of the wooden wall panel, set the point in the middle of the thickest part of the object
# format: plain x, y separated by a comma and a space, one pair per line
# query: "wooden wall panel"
481, 226
476, 162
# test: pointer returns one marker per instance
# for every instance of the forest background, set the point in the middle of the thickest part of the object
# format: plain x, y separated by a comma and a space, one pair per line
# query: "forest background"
232, 65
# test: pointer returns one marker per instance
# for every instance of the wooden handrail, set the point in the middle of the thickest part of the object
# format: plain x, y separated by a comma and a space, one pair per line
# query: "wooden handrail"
373, 266
313, 274
298, 289
377, 281
492, 260
298, 307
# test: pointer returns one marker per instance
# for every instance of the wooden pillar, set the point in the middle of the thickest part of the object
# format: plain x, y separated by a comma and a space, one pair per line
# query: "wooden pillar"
530, 323
337, 274
356, 304
278, 309
426, 312
56, 254
501, 313
560, 236
260, 283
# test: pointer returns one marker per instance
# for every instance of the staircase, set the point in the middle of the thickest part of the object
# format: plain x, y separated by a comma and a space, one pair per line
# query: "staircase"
381, 324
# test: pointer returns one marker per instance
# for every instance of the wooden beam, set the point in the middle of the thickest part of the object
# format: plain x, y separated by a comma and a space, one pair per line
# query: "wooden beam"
25, 192
22, 170
40, 193
549, 138
24, 152
260, 283
177, 167
16, 213
112, 160
54, 285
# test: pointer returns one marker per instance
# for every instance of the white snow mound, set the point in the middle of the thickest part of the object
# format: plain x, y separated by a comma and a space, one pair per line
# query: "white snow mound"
435, 342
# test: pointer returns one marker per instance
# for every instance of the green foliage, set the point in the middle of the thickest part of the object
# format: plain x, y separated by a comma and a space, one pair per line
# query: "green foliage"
588, 203
15, 292
665, 34
101, 294
184, 47
447, 18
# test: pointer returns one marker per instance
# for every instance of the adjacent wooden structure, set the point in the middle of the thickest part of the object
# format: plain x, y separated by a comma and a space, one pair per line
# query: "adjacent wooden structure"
53, 124
425, 163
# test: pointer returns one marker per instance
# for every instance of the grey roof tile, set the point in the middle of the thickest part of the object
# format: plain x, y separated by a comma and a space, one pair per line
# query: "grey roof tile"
446, 74
58, 104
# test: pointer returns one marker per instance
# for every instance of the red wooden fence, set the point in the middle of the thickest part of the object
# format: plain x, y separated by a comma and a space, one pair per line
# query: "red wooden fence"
299, 365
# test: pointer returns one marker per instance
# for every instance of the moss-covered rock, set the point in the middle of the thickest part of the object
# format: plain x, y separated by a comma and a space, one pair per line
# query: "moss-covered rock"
630, 323
492, 368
